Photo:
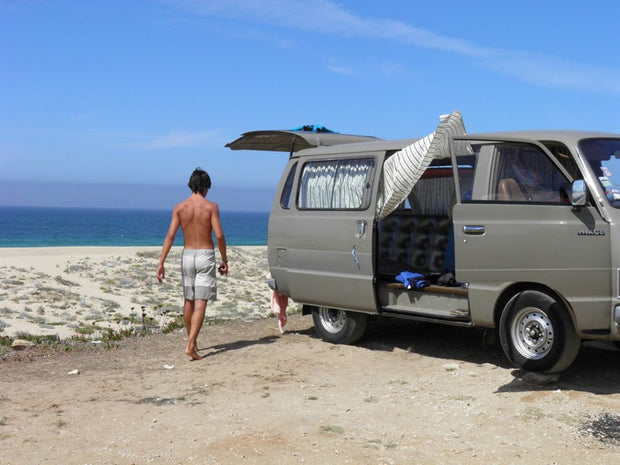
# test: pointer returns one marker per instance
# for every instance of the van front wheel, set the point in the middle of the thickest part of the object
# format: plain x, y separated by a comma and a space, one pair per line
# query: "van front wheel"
338, 326
537, 333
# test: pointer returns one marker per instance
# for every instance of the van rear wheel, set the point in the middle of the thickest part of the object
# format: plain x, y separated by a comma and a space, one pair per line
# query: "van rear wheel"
537, 333
338, 326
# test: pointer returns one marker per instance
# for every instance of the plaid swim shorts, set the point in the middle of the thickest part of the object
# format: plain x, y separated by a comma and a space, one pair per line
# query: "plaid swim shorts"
198, 271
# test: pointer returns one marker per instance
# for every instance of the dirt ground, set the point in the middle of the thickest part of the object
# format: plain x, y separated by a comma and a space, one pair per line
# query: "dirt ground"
406, 393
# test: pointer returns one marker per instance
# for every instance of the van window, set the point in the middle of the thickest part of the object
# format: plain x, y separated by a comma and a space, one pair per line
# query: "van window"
434, 194
603, 156
336, 184
285, 198
519, 173
563, 155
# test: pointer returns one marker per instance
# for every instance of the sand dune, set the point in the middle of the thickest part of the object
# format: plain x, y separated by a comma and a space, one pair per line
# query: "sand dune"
69, 291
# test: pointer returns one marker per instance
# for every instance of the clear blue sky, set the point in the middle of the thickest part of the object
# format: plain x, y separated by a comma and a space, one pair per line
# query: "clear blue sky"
113, 103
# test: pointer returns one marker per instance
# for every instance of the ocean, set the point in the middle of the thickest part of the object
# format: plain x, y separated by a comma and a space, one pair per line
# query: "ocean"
56, 227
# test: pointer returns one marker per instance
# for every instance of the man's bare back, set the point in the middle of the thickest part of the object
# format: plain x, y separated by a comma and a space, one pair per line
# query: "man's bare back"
195, 215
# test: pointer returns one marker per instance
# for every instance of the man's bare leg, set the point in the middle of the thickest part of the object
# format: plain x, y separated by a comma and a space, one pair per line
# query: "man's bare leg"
188, 310
193, 315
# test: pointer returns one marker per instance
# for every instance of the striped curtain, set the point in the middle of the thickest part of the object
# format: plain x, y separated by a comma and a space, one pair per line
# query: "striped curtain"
403, 169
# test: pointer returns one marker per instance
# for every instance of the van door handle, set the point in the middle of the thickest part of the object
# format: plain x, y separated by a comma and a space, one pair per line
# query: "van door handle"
361, 229
474, 229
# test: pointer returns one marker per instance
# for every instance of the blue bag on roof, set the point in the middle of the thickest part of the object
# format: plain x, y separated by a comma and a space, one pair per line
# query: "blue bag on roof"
313, 128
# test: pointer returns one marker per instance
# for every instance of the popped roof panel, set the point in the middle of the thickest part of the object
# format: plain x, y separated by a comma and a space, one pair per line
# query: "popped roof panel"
282, 140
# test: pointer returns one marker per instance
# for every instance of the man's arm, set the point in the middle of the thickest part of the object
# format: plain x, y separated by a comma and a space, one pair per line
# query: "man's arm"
219, 237
168, 241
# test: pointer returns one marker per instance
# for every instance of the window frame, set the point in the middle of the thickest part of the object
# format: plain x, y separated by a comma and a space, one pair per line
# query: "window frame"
287, 188
368, 187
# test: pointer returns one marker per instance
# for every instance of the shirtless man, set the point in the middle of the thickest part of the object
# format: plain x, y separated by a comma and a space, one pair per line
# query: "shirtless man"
198, 218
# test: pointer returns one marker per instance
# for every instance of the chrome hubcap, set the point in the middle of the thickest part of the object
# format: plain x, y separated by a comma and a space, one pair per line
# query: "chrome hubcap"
532, 333
332, 320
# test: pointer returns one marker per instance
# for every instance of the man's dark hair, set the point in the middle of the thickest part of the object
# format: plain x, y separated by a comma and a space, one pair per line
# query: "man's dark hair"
199, 181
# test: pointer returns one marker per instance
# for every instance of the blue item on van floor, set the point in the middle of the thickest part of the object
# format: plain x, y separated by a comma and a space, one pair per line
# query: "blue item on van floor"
413, 280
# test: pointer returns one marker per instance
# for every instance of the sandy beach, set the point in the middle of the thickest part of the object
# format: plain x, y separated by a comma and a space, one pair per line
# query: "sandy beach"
82, 291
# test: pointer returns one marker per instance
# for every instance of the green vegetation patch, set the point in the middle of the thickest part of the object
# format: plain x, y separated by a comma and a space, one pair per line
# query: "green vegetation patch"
331, 429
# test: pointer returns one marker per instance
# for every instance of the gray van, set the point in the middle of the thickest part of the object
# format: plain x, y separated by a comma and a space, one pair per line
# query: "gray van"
516, 232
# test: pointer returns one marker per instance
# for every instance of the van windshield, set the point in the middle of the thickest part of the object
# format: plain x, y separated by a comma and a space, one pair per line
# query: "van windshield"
603, 155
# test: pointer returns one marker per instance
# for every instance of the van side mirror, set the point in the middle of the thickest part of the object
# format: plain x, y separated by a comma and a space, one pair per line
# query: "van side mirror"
579, 193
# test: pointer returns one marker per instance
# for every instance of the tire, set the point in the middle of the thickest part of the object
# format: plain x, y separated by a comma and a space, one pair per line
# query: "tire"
339, 326
537, 333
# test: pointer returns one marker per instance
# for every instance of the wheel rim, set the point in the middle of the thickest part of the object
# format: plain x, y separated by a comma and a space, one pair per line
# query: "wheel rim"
532, 333
332, 319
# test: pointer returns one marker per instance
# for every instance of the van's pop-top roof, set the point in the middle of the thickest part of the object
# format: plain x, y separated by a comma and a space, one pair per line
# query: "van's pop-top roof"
292, 140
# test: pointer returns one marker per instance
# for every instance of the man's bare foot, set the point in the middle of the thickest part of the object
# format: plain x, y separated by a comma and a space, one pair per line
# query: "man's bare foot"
193, 354
192, 351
